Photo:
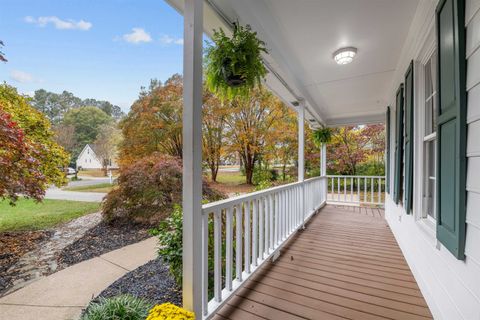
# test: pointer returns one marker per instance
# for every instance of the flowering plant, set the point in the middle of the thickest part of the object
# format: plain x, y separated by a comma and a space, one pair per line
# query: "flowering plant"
169, 311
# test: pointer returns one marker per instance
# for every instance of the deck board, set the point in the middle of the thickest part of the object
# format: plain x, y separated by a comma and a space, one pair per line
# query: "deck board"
345, 265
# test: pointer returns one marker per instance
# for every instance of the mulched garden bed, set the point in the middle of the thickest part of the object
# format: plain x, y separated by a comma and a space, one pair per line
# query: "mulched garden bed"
101, 239
13, 245
152, 281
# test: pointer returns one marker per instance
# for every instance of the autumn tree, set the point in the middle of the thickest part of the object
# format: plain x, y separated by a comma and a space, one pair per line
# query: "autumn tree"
154, 123
213, 127
249, 123
106, 143
353, 145
281, 145
30, 159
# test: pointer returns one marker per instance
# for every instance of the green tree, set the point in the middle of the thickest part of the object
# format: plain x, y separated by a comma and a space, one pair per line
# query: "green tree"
87, 122
33, 128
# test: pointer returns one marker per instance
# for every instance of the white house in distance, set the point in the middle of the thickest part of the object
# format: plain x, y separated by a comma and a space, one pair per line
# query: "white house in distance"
88, 159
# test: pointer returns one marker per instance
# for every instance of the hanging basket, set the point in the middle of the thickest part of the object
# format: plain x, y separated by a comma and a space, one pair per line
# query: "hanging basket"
323, 135
234, 65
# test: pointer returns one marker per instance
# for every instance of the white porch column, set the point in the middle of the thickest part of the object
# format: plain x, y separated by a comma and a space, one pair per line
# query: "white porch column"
301, 154
323, 160
301, 141
323, 169
192, 156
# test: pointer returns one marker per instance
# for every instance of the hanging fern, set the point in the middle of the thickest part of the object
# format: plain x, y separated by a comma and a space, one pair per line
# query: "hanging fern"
234, 65
323, 135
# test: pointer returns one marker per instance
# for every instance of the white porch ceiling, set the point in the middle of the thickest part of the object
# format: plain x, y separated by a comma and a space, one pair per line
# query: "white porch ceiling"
302, 35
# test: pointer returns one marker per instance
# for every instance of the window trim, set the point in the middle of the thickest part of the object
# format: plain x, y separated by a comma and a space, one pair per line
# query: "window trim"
428, 224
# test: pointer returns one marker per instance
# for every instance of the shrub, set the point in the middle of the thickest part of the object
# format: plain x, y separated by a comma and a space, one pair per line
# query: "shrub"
148, 189
169, 234
123, 307
169, 311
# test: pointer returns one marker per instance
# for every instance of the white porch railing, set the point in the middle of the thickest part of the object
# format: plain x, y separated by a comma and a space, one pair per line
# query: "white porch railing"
245, 231
356, 189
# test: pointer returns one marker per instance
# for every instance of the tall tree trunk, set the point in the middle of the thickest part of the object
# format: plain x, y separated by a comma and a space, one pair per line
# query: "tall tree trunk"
214, 172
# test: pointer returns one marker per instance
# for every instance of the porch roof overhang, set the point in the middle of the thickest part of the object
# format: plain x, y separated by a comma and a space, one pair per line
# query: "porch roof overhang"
301, 37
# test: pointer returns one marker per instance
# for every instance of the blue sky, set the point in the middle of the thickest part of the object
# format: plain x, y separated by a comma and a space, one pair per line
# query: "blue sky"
103, 49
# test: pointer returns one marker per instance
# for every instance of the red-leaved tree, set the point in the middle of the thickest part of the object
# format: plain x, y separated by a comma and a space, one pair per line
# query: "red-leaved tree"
19, 167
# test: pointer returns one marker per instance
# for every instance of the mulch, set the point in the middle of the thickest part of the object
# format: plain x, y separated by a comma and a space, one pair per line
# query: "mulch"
14, 245
101, 239
152, 281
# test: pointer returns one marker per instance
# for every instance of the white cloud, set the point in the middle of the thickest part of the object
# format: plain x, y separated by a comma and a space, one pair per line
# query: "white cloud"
21, 76
137, 35
166, 39
59, 23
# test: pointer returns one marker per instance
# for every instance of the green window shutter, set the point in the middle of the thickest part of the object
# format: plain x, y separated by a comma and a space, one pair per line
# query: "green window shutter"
398, 174
451, 126
409, 112
387, 153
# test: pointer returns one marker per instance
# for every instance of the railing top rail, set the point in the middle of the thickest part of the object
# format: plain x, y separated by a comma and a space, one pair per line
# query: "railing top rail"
349, 176
222, 204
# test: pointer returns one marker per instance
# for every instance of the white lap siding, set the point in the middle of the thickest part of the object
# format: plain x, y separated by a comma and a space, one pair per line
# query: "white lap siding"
450, 286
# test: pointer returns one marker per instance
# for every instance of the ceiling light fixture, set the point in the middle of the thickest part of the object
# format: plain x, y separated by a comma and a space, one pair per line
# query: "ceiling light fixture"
344, 55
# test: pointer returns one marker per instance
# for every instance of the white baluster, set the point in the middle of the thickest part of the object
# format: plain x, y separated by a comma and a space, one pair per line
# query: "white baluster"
229, 249
255, 233
217, 257
238, 241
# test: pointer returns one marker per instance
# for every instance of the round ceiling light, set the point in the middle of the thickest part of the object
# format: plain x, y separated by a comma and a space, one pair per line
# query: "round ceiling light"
344, 55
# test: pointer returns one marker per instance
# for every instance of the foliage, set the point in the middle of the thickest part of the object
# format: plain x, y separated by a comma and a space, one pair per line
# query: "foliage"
148, 189
236, 57
19, 169
28, 214
2, 55
323, 135
249, 125
106, 143
213, 127
169, 233
124, 307
87, 122
169, 311
55, 105
352, 146
30, 158
154, 123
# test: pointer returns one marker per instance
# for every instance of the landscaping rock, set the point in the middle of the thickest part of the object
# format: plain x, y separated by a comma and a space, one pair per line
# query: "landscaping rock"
101, 239
41, 260
152, 281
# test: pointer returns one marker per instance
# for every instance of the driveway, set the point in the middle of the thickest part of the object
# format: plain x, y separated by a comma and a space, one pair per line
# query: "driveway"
59, 194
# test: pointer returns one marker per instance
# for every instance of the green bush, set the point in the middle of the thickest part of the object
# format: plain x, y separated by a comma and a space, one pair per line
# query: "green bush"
123, 307
169, 233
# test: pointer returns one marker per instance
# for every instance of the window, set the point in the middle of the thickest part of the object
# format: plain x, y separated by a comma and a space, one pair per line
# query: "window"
429, 137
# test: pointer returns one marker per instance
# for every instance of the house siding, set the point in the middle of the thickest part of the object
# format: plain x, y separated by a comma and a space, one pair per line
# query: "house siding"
450, 286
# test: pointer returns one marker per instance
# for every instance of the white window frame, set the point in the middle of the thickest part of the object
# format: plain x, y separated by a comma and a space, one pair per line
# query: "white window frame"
429, 48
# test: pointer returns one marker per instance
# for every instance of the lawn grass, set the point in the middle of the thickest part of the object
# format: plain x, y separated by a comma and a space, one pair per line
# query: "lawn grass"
229, 177
29, 215
101, 187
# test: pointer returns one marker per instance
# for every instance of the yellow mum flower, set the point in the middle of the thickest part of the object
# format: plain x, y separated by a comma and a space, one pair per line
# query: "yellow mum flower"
169, 311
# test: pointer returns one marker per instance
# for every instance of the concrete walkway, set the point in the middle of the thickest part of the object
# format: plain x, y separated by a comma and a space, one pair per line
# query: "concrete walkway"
59, 194
63, 295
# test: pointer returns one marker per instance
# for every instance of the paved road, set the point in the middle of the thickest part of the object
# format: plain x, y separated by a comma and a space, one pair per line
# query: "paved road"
88, 182
59, 194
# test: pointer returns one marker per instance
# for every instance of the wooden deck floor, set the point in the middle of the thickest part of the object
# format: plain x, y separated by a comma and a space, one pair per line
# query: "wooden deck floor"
345, 265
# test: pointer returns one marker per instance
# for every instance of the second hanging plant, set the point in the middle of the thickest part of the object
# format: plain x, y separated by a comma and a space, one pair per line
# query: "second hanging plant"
233, 65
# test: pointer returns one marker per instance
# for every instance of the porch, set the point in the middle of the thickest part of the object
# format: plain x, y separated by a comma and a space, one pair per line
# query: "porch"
345, 264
